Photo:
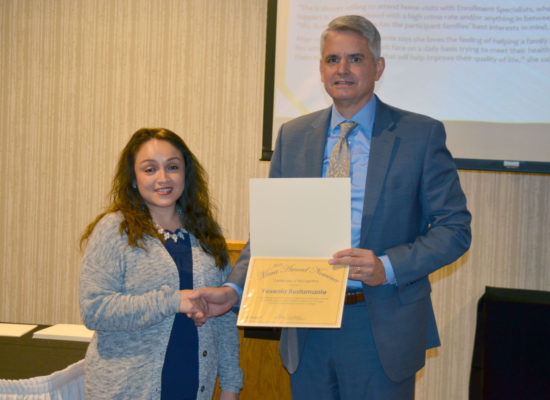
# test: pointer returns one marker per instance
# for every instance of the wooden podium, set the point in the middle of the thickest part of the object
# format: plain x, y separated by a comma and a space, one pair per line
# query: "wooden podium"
264, 375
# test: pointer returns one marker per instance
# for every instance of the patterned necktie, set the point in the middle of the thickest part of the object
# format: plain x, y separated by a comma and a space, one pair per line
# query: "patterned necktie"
340, 158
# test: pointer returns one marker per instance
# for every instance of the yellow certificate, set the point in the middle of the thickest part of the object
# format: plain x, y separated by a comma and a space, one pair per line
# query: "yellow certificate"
293, 292
296, 224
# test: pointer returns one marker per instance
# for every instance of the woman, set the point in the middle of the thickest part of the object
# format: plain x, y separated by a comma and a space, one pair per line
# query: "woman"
155, 242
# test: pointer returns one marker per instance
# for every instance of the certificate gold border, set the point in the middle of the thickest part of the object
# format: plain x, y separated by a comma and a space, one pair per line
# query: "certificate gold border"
293, 292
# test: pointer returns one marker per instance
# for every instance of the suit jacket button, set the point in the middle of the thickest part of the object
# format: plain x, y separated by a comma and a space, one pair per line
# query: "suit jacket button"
202, 388
204, 353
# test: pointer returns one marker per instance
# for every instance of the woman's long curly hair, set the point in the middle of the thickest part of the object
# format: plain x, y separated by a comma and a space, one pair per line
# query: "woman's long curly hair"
197, 211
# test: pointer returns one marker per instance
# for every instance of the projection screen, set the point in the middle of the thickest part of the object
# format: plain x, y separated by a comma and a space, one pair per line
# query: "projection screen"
482, 67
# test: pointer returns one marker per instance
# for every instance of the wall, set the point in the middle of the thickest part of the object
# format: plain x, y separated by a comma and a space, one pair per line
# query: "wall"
79, 77
511, 233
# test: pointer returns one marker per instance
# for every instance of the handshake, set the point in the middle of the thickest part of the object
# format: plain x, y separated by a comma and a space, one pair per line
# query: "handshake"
207, 302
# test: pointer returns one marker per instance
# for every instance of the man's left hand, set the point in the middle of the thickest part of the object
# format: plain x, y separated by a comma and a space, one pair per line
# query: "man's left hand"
363, 264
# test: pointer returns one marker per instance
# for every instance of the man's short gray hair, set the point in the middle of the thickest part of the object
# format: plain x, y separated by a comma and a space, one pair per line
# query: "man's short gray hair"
357, 24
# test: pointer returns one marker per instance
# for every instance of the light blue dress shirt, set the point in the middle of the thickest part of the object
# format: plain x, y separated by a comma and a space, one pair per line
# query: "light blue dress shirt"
359, 140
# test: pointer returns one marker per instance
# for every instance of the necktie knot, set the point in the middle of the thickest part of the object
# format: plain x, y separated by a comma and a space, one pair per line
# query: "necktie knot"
346, 128
340, 159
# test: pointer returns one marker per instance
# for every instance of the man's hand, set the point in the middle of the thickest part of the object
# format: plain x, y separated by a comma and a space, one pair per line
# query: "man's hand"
192, 303
219, 299
215, 301
363, 264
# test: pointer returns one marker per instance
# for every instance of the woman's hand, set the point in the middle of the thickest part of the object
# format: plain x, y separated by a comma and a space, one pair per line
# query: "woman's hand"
191, 303
225, 395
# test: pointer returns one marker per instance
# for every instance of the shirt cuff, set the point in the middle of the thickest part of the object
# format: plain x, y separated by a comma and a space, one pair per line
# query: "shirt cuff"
239, 291
390, 274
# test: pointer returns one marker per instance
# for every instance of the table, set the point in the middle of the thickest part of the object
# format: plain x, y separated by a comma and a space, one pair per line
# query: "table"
25, 357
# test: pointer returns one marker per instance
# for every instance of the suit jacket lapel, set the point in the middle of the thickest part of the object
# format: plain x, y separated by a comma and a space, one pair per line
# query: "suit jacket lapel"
382, 143
315, 140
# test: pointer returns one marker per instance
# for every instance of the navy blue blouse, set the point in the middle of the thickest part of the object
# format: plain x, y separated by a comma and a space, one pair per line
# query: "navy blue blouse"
180, 373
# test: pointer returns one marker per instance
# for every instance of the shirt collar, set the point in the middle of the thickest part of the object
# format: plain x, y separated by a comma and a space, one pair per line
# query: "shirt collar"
364, 117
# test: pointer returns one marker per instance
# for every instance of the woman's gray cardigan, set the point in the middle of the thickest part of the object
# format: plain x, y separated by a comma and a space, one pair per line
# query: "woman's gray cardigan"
130, 297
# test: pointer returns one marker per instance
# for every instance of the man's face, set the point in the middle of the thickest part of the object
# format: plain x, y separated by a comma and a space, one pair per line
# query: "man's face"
349, 71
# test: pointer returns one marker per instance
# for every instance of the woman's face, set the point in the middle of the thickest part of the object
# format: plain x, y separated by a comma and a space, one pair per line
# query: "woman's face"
160, 175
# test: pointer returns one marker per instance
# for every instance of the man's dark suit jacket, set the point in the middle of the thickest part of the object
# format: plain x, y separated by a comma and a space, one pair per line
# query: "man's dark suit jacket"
414, 212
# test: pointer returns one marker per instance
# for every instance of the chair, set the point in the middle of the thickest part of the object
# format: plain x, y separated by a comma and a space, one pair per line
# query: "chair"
511, 357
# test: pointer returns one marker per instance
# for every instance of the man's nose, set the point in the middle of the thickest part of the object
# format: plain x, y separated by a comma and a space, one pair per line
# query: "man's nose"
343, 66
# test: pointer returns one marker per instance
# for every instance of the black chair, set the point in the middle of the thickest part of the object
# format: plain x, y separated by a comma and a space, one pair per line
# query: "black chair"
511, 357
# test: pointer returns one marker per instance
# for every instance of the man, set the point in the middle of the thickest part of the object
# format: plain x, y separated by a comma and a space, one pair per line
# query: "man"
409, 218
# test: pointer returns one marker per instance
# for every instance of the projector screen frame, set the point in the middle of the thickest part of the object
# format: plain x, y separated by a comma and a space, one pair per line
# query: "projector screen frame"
269, 98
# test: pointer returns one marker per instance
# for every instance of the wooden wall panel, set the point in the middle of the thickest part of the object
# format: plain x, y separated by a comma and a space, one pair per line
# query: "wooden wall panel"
78, 77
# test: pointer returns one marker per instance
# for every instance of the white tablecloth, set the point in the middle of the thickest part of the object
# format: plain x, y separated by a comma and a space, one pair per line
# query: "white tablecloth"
67, 384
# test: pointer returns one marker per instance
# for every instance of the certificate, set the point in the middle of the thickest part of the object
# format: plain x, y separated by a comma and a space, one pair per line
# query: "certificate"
296, 224
293, 292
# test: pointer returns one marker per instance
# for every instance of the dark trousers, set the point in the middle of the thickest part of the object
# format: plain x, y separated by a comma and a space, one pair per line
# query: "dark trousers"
342, 364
